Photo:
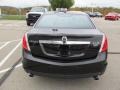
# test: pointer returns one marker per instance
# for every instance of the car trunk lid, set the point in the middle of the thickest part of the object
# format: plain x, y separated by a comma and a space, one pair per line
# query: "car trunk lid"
85, 45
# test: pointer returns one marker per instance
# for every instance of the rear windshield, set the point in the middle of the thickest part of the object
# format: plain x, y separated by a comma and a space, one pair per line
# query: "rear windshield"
65, 21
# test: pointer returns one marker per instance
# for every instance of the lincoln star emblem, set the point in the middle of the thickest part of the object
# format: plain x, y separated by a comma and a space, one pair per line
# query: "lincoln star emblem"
64, 39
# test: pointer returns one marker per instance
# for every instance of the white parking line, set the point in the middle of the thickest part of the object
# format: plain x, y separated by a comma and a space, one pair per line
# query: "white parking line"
10, 41
5, 70
11, 25
4, 45
6, 57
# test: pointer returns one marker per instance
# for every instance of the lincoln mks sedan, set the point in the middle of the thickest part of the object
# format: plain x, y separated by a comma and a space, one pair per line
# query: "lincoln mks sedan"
65, 44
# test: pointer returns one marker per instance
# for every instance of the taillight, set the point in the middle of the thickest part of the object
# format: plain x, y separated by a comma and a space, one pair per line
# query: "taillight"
25, 43
104, 45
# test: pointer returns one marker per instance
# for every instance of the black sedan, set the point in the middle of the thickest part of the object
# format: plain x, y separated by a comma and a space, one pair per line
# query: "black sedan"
65, 44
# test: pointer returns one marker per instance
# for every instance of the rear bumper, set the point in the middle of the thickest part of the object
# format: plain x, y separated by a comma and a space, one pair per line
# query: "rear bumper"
64, 71
78, 69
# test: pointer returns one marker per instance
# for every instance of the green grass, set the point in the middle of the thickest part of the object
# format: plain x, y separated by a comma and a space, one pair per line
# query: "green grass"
13, 17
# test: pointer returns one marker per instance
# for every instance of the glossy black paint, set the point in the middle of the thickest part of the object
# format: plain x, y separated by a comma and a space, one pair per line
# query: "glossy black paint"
92, 63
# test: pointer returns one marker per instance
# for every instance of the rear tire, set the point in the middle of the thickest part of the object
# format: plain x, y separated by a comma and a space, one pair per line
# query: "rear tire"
96, 77
31, 75
116, 19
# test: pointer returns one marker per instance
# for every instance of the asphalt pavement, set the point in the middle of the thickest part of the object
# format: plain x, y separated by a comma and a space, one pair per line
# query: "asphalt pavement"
13, 77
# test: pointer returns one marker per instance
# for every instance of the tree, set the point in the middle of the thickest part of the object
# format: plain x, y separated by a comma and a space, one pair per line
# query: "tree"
61, 4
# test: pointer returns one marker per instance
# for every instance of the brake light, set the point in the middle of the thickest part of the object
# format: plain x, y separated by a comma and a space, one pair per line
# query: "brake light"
25, 43
104, 46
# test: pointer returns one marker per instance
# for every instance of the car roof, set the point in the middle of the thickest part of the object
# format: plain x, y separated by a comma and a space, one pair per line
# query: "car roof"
66, 12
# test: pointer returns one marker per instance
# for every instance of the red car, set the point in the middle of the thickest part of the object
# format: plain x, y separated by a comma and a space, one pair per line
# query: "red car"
112, 16
119, 15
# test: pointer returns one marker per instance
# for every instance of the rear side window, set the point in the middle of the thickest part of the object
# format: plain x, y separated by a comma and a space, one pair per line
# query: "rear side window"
65, 21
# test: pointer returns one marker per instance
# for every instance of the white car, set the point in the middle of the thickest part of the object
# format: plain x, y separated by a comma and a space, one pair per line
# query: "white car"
34, 14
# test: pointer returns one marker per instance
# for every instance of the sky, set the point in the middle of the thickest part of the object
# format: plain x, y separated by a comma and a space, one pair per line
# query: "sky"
78, 3
100, 3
